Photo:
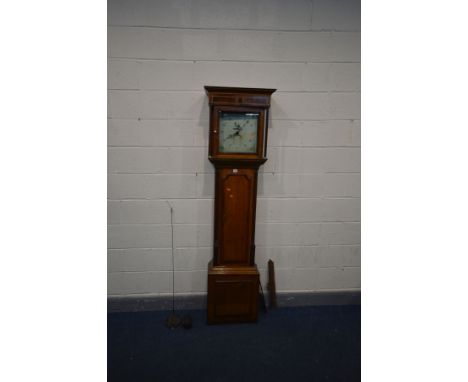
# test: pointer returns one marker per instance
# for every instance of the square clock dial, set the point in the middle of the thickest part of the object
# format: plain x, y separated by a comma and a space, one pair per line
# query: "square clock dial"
238, 132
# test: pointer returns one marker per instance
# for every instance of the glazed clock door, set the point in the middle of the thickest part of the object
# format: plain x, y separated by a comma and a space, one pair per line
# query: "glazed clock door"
236, 197
238, 132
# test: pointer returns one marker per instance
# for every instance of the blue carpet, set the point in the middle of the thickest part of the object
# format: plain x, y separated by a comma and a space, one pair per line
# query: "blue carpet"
317, 343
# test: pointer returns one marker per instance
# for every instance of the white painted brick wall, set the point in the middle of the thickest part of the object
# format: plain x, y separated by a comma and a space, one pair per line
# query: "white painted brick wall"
161, 54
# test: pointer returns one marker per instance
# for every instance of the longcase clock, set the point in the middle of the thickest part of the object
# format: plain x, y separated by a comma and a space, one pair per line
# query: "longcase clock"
237, 148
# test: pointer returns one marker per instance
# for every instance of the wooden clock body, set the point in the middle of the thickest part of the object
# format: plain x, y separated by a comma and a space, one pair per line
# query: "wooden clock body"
233, 278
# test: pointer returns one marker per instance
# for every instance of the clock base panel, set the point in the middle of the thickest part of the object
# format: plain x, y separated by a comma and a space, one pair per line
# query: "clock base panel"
233, 294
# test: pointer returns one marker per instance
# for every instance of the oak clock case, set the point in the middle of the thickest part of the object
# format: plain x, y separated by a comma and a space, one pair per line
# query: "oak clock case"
237, 148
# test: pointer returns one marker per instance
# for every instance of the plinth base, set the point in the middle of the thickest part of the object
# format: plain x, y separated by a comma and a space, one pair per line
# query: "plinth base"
232, 294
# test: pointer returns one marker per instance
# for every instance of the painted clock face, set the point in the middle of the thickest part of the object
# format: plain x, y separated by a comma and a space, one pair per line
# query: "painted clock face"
238, 132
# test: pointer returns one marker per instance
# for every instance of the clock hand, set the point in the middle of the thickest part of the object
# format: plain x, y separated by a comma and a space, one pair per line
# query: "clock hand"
238, 127
236, 134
